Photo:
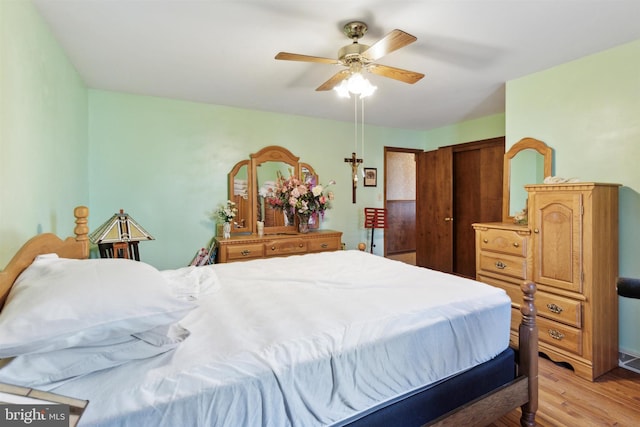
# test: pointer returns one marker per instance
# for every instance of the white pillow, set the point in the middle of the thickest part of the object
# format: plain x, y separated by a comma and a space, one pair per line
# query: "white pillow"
59, 303
49, 370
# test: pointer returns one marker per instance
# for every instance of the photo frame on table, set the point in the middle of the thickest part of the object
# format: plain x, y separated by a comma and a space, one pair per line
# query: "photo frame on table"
370, 177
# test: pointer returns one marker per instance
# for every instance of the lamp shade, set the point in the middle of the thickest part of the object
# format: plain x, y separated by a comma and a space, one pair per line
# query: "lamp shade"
119, 228
356, 84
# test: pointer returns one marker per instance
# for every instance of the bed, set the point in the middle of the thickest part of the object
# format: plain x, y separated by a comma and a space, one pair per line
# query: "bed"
335, 338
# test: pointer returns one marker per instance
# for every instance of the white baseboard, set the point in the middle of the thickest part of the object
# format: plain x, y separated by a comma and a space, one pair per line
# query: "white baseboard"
629, 361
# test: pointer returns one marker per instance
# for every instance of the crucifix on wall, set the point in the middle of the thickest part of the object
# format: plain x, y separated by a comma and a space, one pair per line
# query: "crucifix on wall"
354, 173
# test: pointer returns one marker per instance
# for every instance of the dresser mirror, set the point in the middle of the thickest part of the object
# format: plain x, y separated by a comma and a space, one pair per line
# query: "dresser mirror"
239, 179
250, 185
528, 161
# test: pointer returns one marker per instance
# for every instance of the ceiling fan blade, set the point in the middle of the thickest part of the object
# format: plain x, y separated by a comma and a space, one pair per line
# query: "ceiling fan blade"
334, 80
392, 41
305, 58
395, 73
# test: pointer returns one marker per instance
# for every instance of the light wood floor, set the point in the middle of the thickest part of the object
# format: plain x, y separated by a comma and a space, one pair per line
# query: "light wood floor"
567, 400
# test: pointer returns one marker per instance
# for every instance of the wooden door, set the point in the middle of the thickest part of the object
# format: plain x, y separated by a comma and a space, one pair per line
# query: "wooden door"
434, 203
457, 186
556, 221
466, 200
477, 197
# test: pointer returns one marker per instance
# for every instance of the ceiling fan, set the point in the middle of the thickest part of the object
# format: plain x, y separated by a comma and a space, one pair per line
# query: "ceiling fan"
358, 57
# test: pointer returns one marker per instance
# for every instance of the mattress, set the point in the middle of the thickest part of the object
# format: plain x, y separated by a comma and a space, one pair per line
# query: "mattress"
305, 340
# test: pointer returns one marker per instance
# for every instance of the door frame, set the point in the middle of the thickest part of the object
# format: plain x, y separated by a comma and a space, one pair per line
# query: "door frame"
388, 149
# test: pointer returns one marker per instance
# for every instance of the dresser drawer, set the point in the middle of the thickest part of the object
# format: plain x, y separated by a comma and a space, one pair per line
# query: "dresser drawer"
503, 241
285, 247
503, 264
324, 244
561, 309
552, 333
247, 251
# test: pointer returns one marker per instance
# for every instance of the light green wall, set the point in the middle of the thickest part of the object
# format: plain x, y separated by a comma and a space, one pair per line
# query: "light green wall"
43, 131
165, 162
471, 130
588, 111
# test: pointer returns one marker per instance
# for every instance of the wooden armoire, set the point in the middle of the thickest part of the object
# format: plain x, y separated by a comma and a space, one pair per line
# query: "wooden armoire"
575, 266
569, 249
457, 185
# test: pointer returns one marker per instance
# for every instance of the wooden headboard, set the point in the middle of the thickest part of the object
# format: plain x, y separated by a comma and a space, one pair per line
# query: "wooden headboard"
47, 243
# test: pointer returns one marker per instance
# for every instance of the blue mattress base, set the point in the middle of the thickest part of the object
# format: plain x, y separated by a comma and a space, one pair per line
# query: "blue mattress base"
429, 404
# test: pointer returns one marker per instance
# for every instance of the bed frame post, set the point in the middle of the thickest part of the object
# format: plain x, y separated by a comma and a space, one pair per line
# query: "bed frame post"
82, 229
72, 247
528, 353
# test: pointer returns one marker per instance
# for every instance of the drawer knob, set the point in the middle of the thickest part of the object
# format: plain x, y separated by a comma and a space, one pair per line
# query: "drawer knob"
324, 245
485, 240
516, 244
554, 308
273, 248
501, 265
535, 230
300, 245
245, 252
555, 334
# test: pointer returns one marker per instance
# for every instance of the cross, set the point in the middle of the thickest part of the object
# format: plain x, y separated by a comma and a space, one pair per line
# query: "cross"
354, 173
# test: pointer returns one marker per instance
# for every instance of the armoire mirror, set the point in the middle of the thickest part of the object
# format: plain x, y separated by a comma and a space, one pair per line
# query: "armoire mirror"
528, 161
250, 183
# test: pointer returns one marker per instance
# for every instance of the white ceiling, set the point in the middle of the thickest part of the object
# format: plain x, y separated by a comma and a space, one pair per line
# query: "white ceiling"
222, 52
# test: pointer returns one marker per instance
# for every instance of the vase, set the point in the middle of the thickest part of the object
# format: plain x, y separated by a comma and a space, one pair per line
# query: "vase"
289, 218
226, 230
303, 223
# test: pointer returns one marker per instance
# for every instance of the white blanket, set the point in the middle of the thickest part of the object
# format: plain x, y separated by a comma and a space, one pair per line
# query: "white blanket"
305, 340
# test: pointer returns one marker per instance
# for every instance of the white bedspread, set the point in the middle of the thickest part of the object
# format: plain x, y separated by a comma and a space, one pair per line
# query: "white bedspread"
303, 341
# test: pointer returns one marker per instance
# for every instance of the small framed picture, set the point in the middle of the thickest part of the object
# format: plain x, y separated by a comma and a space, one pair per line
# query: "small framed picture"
370, 177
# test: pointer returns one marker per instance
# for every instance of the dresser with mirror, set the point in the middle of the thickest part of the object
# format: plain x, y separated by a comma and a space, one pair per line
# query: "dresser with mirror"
250, 181
563, 237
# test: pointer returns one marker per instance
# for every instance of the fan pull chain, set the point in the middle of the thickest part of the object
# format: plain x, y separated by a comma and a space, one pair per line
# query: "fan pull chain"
362, 130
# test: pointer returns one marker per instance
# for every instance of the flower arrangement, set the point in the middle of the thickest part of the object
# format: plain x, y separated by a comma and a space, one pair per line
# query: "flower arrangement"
294, 196
226, 212
521, 217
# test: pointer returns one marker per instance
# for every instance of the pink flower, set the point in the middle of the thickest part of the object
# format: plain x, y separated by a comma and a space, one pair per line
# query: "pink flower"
302, 197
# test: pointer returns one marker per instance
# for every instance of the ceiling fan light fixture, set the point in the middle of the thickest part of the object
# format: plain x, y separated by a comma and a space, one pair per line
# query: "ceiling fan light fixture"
357, 85
342, 90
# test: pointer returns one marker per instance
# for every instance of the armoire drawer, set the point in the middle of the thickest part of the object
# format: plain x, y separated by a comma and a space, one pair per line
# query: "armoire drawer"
240, 252
561, 309
503, 264
553, 333
285, 247
560, 335
553, 307
503, 241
